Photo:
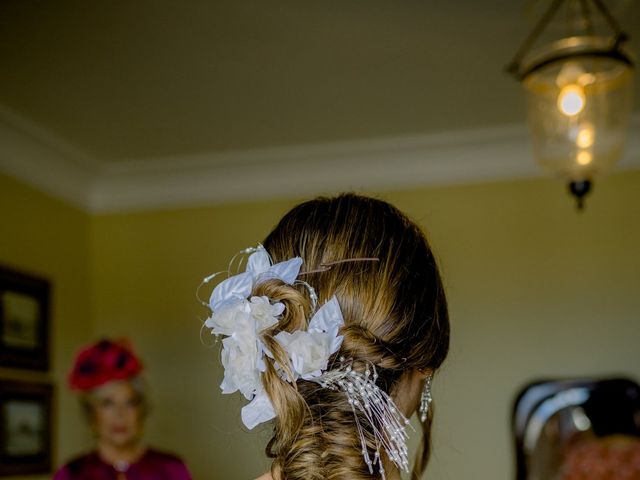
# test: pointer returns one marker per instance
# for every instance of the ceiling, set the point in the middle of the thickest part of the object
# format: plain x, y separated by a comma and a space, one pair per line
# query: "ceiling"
121, 104
145, 79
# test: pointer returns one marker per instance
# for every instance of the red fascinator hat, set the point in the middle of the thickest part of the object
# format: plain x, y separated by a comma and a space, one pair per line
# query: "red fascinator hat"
102, 362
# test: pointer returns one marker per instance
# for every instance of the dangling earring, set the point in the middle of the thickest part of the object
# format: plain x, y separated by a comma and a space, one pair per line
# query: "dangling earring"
425, 399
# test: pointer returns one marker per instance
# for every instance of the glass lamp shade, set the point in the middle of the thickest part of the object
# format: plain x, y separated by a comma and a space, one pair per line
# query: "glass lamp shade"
579, 96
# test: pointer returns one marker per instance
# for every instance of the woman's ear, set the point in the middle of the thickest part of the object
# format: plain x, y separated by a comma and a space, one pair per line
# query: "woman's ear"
407, 394
426, 372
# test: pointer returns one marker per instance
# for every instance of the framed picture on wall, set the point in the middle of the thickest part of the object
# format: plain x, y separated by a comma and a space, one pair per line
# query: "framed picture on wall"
25, 428
24, 320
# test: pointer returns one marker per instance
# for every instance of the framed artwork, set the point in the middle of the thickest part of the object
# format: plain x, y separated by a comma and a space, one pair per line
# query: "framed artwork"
24, 321
25, 428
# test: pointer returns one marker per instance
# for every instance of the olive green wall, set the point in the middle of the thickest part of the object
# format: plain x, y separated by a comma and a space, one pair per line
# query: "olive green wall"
535, 290
47, 238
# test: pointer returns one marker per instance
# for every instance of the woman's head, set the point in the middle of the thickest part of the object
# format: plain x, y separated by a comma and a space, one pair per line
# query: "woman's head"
395, 315
106, 375
398, 300
116, 411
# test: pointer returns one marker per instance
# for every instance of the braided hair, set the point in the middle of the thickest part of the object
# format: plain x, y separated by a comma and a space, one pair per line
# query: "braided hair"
396, 319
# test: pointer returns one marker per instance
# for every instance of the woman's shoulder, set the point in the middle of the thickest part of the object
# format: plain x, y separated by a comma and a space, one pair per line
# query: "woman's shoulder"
169, 463
79, 465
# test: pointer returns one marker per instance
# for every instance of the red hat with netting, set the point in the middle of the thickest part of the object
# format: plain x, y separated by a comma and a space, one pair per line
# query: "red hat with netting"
102, 362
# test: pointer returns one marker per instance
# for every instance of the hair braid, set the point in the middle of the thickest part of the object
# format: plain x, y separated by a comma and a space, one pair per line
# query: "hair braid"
395, 315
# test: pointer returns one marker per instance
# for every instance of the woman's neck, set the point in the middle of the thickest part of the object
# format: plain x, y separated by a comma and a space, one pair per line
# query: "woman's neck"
113, 454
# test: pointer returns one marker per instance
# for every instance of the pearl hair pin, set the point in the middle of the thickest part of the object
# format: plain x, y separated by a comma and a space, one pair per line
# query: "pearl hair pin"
386, 421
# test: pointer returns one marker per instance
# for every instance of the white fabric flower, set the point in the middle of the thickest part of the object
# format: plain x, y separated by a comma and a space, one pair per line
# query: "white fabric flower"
259, 268
240, 368
241, 318
309, 352
224, 321
265, 314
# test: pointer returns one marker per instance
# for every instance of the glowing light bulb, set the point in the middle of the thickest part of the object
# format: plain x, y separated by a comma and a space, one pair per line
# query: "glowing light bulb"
584, 157
571, 100
585, 137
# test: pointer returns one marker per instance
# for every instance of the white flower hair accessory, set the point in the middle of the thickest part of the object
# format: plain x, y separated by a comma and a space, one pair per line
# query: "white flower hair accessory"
240, 318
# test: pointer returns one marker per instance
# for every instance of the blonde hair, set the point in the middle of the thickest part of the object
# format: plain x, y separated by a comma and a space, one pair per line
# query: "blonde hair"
395, 314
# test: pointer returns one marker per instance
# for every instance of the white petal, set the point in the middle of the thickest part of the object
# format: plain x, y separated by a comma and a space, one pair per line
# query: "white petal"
278, 308
262, 351
297, 362
286, 271
336, 343
258, 262
258, 411
328, 318
284, 338
312, 375
227, 386
236, 287
261, 299
268, 323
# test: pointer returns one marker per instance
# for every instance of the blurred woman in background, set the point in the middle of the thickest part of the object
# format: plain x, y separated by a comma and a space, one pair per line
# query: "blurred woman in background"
107, 377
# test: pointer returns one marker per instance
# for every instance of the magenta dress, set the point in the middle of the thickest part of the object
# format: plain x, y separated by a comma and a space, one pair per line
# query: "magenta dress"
153, 465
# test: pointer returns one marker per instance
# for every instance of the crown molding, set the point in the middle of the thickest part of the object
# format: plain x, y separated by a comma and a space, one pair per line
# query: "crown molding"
44, 161
487, 154
378, 164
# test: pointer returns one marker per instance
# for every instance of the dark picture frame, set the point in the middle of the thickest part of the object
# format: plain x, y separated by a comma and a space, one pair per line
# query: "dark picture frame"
24, 320
25, 428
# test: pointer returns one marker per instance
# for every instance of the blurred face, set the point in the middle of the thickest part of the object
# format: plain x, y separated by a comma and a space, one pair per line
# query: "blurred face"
118, 414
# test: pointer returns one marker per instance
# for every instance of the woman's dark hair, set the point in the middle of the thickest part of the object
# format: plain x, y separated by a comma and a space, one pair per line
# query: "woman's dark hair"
396, 318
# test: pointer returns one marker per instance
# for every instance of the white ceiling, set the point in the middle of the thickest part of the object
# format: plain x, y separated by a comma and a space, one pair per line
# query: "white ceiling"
120, 83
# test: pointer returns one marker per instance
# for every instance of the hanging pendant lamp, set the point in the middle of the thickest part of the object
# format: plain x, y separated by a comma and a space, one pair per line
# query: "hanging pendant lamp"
579, 93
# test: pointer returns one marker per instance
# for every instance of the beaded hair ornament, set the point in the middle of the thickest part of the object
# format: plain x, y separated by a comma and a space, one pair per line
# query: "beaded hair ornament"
239, 318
